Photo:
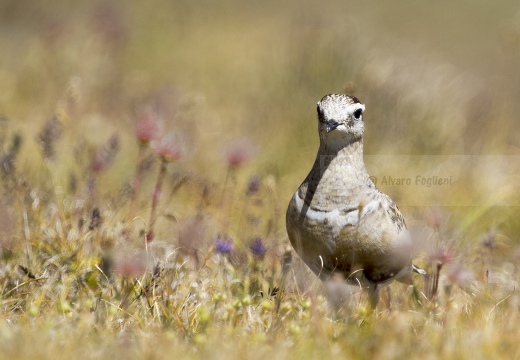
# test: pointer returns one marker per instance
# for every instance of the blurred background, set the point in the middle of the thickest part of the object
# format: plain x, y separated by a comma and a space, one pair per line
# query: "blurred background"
441, 84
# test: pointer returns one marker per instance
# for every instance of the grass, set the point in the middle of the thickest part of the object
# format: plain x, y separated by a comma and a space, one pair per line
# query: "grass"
119, 240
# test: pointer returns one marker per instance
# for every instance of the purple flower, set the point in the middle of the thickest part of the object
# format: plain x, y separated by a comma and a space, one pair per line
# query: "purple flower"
489, 240
257, 248
254, 185
223, 246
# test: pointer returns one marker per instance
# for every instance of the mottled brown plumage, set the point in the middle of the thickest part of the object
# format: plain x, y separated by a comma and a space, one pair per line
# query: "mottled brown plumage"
338, 221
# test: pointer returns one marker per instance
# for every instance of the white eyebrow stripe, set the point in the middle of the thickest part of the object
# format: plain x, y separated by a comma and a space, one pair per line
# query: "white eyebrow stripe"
352, 108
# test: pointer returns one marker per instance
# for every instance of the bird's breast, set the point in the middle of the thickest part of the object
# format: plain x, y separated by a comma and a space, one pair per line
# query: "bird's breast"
321, 226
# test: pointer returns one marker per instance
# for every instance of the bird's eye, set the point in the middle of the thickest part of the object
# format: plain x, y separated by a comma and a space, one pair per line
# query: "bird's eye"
357, 113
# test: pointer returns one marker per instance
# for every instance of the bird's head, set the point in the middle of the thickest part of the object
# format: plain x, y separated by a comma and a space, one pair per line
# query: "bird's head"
340, 119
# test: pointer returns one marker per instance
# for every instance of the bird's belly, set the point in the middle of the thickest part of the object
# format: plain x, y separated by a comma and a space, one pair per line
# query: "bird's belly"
338, 240
314, 233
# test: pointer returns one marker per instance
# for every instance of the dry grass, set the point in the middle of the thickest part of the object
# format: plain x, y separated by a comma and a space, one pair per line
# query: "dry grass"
82, 191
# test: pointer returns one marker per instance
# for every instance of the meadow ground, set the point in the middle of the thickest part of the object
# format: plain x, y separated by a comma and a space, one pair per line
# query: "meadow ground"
148, 152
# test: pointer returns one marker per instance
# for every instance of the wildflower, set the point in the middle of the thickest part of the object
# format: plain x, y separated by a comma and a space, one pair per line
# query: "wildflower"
95, 220
48, 137
148, 126
7, 159
257, 248
239, 152
170, 147
489, 240
223, 246
443, 255
104, 157
254, 185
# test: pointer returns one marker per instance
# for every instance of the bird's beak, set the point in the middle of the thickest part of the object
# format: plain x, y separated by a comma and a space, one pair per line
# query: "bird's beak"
331, 125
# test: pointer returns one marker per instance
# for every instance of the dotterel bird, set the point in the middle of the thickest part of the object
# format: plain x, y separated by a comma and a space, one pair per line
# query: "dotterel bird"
338, 221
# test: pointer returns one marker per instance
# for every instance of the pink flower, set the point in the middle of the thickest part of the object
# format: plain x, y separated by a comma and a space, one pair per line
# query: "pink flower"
148, 126
239, 152
170, 147
443, 255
